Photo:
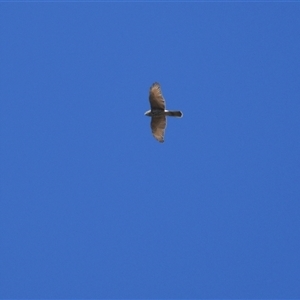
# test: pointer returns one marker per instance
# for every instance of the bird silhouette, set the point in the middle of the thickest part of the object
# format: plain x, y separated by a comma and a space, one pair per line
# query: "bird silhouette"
158, 112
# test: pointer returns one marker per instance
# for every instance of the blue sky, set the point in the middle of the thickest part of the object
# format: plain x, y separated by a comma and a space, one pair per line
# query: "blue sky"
92, 206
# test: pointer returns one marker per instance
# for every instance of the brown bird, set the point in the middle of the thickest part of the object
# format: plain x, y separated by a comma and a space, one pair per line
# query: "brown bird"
158, 112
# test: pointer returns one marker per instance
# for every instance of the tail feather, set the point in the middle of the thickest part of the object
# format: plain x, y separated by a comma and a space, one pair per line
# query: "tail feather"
174, 113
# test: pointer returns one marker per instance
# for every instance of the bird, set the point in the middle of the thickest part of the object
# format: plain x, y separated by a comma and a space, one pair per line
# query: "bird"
158, 112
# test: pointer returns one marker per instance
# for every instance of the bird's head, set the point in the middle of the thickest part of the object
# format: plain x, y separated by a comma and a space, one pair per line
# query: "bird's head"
148, 113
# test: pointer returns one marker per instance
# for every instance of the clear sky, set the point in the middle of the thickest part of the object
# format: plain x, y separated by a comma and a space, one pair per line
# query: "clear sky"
92, 206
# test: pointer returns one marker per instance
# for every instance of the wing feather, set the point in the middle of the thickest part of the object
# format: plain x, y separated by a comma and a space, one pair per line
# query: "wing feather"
156, 98
158, 126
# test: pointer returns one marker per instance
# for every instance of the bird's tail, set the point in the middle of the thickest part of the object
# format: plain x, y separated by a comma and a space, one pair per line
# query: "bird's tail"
174, 113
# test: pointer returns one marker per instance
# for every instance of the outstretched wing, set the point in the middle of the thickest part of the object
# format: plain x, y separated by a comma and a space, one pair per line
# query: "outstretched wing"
158, 126
156, 98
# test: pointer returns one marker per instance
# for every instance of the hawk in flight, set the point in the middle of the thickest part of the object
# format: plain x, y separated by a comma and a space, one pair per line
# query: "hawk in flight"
158, 112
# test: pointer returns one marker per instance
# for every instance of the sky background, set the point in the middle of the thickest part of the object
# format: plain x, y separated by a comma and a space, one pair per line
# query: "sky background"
92, 206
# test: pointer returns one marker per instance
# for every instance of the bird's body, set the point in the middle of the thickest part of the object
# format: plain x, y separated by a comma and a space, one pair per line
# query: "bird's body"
158, 112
